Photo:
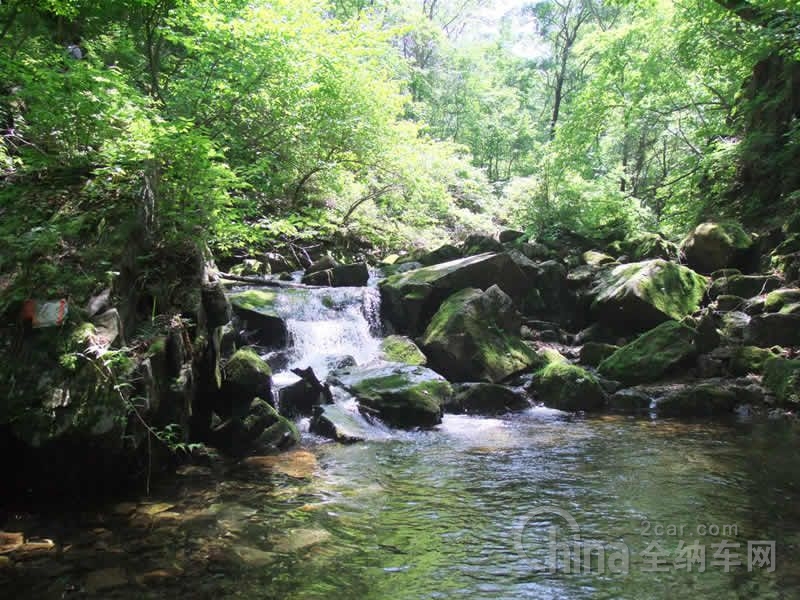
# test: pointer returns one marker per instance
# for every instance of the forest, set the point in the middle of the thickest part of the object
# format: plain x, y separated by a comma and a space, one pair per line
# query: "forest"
304, 296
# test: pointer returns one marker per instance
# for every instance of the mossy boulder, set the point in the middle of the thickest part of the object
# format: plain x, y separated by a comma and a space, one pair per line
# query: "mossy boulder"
773, 329
256, 311
402, 349
652, 355
778, 300
593, 258
702, 400
411, 298
713, 246
477, 243
630, 401
593, 353
510, 235
638, 296
645, 246
782, 377
486, 399
261, 429
475, 337
247, 377
745, 286
444, 253
745, 360
565, 386
403, 396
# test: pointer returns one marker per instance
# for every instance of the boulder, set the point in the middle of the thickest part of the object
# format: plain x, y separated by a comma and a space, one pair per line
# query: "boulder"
402, 349
336, 423
536, 251
593, 353
713, 246
630, 401
638, 296
565, 386
444, 253
256, 311
701, 400
788, 265
478, 244
486, 399
745, 286
745, 360
246, 378
324, 263
510, 235
403, 396
727, 303
781, 300
645, 246
475, 337
215, 303
410, 299
651, 355
355, 275
262, 429
782, 377
300, 398
593, 258
774, 329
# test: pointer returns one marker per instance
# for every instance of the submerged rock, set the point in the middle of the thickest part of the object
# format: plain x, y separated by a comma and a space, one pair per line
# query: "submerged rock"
475, 337
402, 396
639, 296
713, 246
486, 399
651, 355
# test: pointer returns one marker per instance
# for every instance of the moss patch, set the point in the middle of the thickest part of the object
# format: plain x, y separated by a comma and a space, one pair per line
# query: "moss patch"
399, 348
782, 377
749, 359
651, 355
255, 300
566, 386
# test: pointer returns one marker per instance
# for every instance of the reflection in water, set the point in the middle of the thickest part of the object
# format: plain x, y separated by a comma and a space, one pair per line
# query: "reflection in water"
441, 514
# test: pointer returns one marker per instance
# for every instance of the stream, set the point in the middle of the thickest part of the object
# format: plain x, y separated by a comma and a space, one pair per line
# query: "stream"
476, 508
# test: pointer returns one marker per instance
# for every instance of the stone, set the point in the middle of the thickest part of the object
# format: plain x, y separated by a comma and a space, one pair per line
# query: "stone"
745, 360
216, 306
474, 336
713, 246
401, 396
410, 299
486, 399
782, 377
593, 353
774, 329
298, 399
444, 253
727, 302
477, 243
638, 296
256, 311
780, 299
510, 235
10, 541
250, 267
630, 401
652, 355
355, 275
298, 464
593, 258
645, 246
745, 286
246, 377
701, 400
536, 251
324, 263
334, 422
565, 386
402, 349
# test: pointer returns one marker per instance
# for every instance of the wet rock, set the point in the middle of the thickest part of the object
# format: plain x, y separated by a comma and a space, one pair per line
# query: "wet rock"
410, 299
775, 329
335, 423
400, 395
651, 355
402, 349
593, 353
565, 386
250, 267
486, 399
299, 464
745, 286
713, 246
475, 337
639, 296
256, 311
300, 539
300, 397
246, 377
630, 400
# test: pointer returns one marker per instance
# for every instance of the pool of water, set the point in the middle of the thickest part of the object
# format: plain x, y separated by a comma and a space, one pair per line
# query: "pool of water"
478, 508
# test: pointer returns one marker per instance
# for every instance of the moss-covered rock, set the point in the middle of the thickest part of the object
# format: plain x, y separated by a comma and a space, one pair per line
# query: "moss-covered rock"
444, 253
247, 377
565, 386
645, 246
745, 286
651, 355
411, 298
713, 246
475, 337
593, 258
782, 377
402, 396
215, 303
638, 296
486, 399
749, 359
703, 400
477, 243
777, 300
256, 310
261, 429
630, 401
402, 349
593, 353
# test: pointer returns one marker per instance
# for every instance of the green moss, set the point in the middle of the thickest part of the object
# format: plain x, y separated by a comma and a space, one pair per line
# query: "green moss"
566, 386
782, 377
777, 300
256, 300
246, 366
651, 355
398, 348
596, 259
749, 359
